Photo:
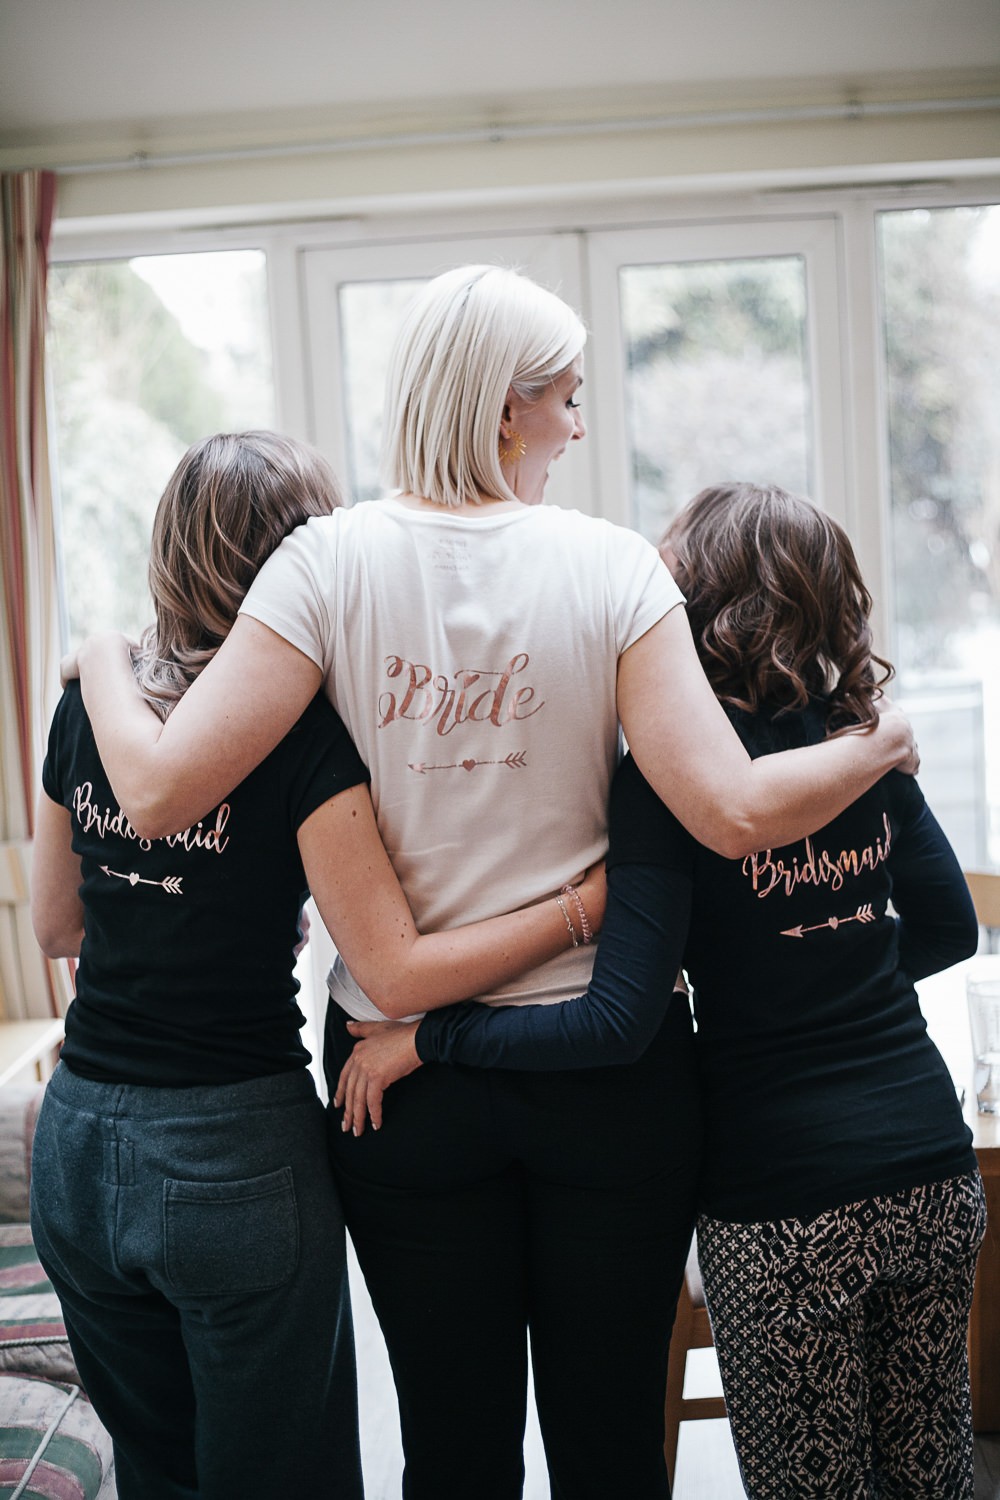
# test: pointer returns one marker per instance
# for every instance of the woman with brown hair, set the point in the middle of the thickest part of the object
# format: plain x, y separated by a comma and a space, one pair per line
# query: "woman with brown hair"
841, 1206
182, 1200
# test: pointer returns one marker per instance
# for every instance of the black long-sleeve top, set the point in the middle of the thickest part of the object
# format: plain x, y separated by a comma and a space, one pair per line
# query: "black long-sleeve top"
821, 1085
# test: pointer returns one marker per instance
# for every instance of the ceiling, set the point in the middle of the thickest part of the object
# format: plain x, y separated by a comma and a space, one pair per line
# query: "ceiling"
73, 70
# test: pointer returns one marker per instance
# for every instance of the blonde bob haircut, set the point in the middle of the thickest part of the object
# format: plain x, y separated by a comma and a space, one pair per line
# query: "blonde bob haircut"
232, 498
467, 338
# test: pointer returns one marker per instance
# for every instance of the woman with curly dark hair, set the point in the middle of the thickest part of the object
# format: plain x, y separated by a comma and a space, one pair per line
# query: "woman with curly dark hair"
841, 1207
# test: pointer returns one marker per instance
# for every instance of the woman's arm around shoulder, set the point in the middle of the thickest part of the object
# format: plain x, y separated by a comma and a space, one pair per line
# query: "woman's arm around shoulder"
166, 775
694, 760
56, 908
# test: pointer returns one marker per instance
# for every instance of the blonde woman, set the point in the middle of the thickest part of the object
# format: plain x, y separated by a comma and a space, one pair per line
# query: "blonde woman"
481, 647
840, 1222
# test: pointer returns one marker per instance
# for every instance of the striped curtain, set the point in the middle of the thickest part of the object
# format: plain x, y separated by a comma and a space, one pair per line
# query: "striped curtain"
29, 612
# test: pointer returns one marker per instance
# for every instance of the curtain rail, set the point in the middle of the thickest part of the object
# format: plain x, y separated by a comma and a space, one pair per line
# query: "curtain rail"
498, 134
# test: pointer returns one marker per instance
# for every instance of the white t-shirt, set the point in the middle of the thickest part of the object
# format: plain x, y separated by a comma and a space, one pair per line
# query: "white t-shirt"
473, 660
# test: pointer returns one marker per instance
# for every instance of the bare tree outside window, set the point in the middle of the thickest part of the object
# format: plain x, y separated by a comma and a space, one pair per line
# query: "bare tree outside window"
940, 286
147, 356
717, 384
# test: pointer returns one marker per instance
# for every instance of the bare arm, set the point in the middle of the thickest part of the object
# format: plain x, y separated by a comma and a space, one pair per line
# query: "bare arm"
56, 908
362, 904
613, 1023
692, 757
167, 775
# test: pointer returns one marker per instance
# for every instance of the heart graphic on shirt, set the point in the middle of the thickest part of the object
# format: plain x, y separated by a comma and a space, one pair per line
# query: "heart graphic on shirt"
468, 765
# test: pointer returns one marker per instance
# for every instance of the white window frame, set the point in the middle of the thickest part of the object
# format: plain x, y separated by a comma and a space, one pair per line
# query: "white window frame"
552, 259
851, 443
814, 240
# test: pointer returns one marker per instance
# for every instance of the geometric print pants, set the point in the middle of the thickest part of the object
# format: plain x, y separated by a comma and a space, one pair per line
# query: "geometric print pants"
842, 1345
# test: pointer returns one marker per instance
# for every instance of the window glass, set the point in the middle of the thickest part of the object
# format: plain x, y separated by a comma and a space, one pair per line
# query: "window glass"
370, 313
146, 356
940, 287
717, 383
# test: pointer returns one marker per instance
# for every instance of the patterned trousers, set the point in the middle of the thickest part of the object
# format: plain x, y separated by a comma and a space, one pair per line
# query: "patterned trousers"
842, 1345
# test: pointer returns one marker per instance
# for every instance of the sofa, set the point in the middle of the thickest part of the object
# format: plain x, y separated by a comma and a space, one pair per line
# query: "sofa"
52, 1445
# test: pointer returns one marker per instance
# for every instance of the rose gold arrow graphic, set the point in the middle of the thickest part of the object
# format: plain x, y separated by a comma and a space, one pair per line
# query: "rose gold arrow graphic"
172, 884
863, 914
516, 761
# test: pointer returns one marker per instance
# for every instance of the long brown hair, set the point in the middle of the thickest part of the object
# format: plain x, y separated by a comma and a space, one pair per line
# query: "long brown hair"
227, 505
777, 604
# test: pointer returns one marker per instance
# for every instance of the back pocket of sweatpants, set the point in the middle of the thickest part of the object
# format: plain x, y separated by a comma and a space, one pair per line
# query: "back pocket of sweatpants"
229, 1238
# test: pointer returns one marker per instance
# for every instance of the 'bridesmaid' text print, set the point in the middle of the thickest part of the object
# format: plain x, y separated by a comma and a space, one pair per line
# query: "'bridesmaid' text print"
770, 872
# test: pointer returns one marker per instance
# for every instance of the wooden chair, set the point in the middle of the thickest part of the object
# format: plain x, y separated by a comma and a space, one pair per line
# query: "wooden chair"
692, 1330
985, 890
30, 985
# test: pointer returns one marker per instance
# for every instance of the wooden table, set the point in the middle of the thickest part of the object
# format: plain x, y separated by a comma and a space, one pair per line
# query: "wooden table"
27, 1043
942, 998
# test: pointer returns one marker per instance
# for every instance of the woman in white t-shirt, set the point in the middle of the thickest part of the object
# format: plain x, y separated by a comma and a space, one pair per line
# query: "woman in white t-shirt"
481, 649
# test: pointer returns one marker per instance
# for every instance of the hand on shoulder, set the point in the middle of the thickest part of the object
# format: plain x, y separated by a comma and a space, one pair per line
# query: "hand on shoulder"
69, 668
99, 647
893, 721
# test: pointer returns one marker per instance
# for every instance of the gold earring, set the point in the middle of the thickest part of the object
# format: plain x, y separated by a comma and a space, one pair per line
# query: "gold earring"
518, 448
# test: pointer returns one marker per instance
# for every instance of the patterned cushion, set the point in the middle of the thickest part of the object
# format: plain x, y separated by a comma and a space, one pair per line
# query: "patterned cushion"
52, 1443
32, 1336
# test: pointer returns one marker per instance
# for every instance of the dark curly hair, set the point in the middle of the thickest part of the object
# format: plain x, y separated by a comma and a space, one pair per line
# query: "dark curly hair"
777, 604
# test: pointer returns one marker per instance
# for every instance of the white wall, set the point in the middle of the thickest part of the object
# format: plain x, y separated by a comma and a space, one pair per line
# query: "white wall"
456, 103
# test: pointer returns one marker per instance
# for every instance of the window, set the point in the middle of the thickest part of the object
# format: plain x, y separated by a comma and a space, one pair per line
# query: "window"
717, 383
717, 350
354, 301
147, 356
370, 312
940, 289
744, 341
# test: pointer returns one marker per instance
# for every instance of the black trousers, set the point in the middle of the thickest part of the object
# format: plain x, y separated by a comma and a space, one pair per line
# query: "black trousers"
494, 1205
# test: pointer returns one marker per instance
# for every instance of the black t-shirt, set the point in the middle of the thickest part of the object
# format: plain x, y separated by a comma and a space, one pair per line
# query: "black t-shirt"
821, 1085
186, 970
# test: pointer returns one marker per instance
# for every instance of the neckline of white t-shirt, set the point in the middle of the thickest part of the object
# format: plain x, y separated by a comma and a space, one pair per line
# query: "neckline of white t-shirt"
494, 512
